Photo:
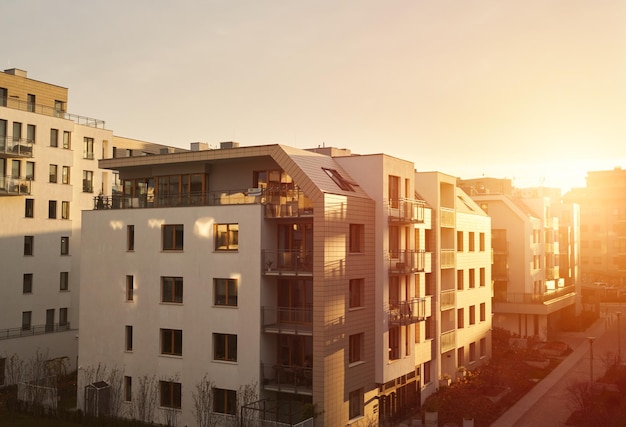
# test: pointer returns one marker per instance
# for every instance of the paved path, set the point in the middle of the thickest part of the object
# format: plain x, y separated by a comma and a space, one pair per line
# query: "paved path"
547, 404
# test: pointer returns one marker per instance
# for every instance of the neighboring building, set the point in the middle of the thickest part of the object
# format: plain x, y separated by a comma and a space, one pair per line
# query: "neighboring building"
48, 174
532, 295
320, 280
603, 227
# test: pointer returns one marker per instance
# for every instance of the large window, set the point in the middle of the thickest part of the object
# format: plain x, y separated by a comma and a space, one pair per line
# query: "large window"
170, 394
357, 287
356, 403
172, 237
225, 347
225, 292
172, 289
64, 280
356, 348
29, 243
224, 401
27, 283
128, 338
88, 148
172, 342
226, 237
30, 171
357, 238
87, 181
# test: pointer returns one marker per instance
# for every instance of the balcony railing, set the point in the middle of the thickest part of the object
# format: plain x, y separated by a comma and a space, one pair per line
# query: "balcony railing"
10, 186
287, 262
287, 378
406, 210
448, 300
408, 312
287, 320
448, 341
404, 262
447, 217
448, 258
285, 203
18, 104
15, 147
33, 330
527, 298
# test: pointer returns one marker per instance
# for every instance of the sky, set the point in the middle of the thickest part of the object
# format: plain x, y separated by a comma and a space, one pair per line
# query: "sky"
533, 91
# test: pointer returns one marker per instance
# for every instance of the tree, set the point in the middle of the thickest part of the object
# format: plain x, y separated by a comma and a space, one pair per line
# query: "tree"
145, 399
203, 403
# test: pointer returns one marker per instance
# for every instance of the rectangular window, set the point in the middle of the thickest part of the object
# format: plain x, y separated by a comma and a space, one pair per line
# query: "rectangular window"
472, 315
130, 288
67, 140
26, 320
52, 209
427, 373
394, 191
483, 312
65, 245
460, 318
460, 356
65, 210
356, 348
225, 292
30, 102
472, 352
483, 347
54, 137
172, 289
87, 182
172, 342
50, 320
27, 284
63, 316
52, 174
128, 388
29, 208
64, 281
356, 403
31, 133
482, 276
357, 287
472, 241
472, 278
16, 168
65, 175
224, 401
29, 244
170, 394
30, 171
459, 241
88, 148
481, 238
357, 237
128, 338
225, 347
130, 237
226, 237
172, 237
459, 280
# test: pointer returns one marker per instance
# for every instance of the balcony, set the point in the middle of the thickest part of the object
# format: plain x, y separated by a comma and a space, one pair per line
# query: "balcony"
285, 203
404, 262
448, 341
10, 186
527, 298
287, 320
447, 217
403, 313
287, 263
406, 211
17, 104
15, 147
33, 330
448, 300
292, 379
448, 258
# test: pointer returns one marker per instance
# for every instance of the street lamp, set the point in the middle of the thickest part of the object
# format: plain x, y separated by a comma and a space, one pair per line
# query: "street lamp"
591, 340
619, 339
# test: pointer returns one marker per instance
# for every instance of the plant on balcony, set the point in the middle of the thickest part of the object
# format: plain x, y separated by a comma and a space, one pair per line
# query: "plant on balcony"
268, 264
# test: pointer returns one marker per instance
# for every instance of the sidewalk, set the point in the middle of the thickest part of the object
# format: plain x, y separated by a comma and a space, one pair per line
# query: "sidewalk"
549, 398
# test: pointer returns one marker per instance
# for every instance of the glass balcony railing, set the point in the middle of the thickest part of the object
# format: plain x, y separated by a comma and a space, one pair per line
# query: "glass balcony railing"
287, 320
287, 378
406, 210
528, 298
10, 186
403, 261
15, 147
408, 312
287, 262
46, 110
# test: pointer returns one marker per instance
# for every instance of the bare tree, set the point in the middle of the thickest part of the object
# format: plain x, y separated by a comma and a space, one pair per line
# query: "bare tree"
114, 378
145, 400
246, 395
580, 396
15, 368
170, 413
203, 403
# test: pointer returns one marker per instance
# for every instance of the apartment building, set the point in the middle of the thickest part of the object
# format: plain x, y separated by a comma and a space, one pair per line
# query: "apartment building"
48, 173
532, 295
310, 277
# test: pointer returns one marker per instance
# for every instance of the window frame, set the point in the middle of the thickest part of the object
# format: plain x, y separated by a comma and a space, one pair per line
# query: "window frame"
65, 245
88, 148
27, 320
64, 281
29, 245
130, 288
224, 401
226, 299
128, 388
356, 238
175, 284
52, 209
65, 175
356, 291
63, 316
29, 208
226, 240
128, 338
171, 342
170, 394
130, 237
27, 283
356, 348
67, 140
171, 234
224, 342
87, 181
355, 404
54, 137
65, 209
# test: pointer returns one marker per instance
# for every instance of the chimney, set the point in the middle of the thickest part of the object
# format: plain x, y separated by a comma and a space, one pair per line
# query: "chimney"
16, 72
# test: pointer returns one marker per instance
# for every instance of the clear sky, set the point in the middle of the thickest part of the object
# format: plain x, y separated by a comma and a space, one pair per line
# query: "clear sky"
531, 90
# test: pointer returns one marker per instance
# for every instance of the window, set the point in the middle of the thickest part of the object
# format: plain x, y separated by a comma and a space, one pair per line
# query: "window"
52, 174
65, 175
87, 182
225, 347
29, 208
357, 286
52, 209
30, 102
26, 320
88, 148
128, 388
130, 288
483, 312
30, 133
130, 237
460, 318
65, 210
460, 356
472, 278
356, 403
128, 339
3, 362
394, 191
50, 320
64, 280
482, 276
226, 237
356, 237
172, 342
29, 243
67, 143
483, 347
459, 241
472, 315
459, 280
30, 171
170, 394
472, 242
65, 245
17, 131
356, 348
481, 238
27, 284
172, 237
427, 373
472, 352
225, 292
224, 401
172, 289
54, 137
63, 316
